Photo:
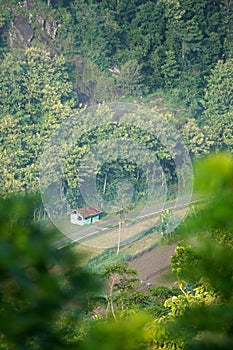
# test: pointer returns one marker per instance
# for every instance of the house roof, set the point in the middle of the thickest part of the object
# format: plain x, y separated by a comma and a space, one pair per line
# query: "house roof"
86, 212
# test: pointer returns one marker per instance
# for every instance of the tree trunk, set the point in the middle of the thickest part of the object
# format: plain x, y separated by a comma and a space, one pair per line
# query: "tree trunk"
119, 237
105, 183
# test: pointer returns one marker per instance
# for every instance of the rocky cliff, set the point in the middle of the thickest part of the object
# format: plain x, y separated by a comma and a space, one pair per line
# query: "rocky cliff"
31, 23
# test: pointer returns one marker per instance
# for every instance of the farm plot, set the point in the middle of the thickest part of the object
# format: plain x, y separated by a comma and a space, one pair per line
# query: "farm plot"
153, 263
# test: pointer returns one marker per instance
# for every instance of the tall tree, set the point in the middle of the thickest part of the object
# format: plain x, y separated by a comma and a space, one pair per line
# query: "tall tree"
36, 96
218, 105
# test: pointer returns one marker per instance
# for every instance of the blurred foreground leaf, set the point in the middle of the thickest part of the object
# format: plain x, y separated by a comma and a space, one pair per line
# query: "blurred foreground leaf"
206, 261
37, 282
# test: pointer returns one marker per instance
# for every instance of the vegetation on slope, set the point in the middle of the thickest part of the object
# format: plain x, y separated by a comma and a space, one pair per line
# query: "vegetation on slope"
47, 301
56, 58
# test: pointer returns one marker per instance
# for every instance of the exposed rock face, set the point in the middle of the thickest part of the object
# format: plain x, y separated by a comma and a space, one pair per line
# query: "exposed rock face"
21, 33
51, 28
41, 21
29, 25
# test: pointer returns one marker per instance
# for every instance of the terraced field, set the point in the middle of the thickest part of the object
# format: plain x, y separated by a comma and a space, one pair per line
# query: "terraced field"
153, 264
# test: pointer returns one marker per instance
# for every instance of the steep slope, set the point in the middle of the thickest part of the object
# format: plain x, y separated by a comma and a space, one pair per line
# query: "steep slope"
153, 263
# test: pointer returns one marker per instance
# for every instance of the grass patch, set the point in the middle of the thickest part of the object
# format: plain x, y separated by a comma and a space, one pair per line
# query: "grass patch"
107, 258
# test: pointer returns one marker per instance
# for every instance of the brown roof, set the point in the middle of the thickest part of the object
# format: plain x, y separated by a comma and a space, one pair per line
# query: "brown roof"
86, 212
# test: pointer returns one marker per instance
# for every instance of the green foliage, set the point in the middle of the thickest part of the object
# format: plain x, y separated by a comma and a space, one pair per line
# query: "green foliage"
214, 180
107, 258
130, 79
111, 48
127, 333
197, 141
153, 44
36, 96
32, 81
218, 113
206, 262
97, 144
37, 281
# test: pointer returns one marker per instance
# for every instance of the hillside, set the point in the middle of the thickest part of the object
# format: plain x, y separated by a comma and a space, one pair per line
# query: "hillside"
57, 58
153, 263
125, 106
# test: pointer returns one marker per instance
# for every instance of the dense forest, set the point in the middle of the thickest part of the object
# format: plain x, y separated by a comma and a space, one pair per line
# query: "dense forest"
128, 70
59, 56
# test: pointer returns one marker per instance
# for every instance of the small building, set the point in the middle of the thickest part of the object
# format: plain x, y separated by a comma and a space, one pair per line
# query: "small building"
85, 216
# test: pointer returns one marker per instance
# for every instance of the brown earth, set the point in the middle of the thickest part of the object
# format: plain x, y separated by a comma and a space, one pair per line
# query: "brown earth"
153, 266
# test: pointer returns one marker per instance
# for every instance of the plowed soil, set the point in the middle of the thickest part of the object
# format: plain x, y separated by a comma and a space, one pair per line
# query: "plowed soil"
152, 265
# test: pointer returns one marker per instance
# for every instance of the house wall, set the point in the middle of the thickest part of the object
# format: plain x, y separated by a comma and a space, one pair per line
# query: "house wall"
77, 220
74, 219
87, 221
95, 218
